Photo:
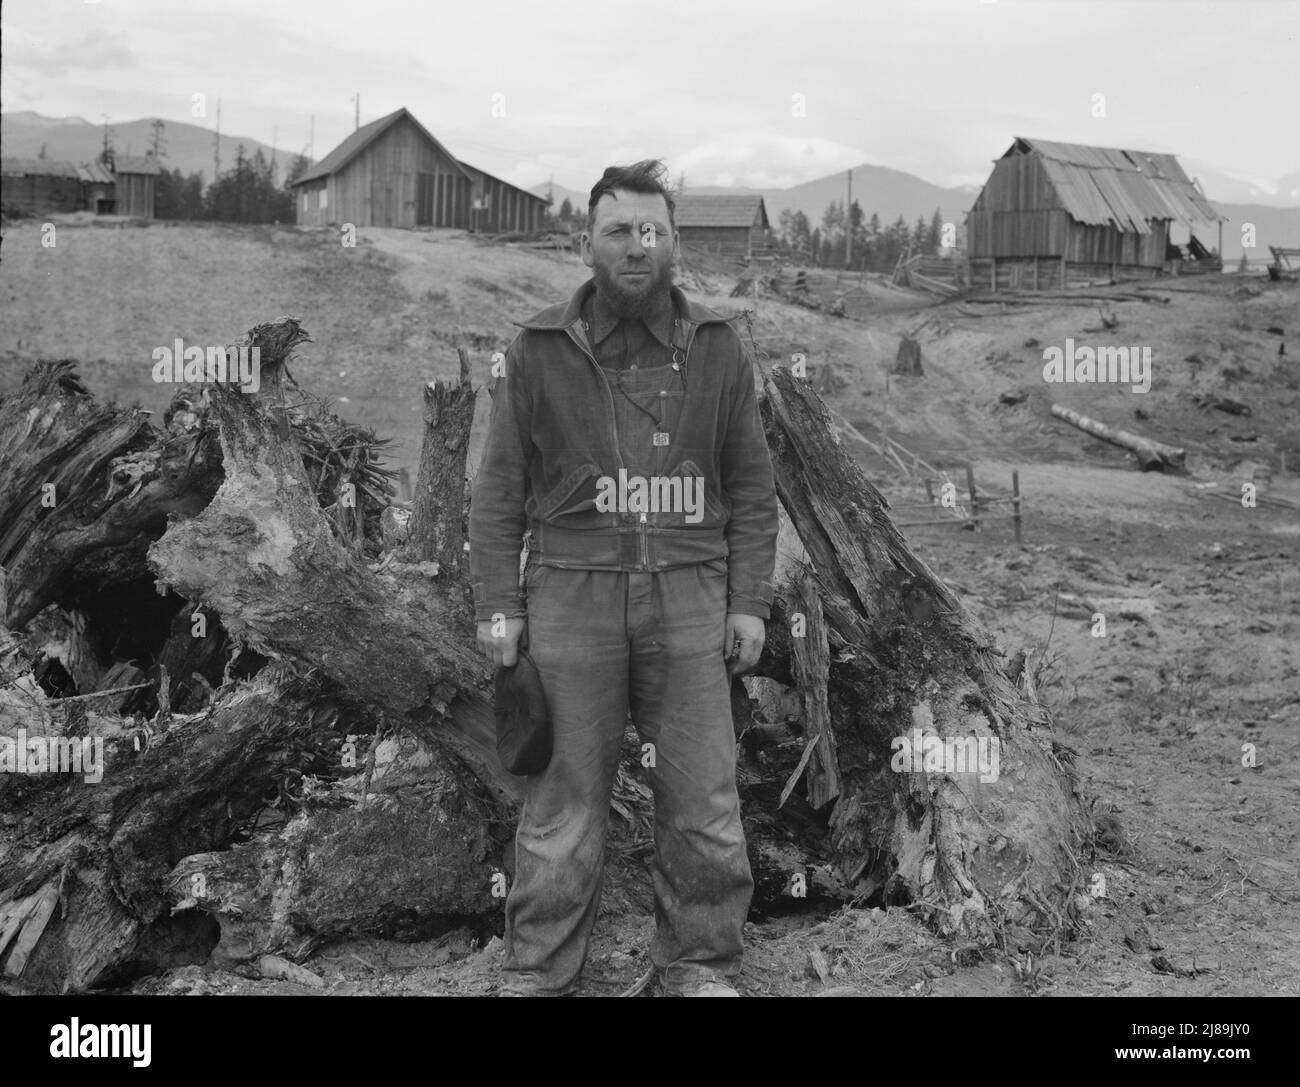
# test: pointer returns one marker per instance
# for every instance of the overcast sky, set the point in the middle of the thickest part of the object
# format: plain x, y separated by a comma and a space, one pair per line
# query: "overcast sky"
933, 87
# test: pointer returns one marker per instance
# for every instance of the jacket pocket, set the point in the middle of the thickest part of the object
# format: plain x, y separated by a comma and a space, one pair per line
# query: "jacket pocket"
532, 574
712, 505
564, 492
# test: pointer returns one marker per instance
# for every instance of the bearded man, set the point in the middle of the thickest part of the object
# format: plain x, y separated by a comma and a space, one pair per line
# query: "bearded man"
626, 451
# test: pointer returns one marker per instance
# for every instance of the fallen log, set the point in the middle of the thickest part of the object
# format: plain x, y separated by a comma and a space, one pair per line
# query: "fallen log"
1152, 456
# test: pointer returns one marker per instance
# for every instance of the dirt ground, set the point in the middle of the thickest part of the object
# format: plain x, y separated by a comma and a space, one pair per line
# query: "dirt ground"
1195, 677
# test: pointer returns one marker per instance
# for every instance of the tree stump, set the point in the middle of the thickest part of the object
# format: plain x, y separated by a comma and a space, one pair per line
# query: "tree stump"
907, 663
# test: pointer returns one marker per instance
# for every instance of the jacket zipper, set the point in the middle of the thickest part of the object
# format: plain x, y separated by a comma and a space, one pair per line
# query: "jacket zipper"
613, 426
613, 419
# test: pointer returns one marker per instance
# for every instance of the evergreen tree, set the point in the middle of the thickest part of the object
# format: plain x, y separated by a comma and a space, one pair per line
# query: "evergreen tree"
298, 166
801, 232
919, 232
248, 194
934, 237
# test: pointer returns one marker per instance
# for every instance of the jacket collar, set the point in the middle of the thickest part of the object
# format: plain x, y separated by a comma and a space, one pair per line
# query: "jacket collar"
566, 315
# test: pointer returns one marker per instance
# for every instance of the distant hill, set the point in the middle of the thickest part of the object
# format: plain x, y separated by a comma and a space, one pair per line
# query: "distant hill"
1273, 226
188, 147
577, 199
887, 192
1225, 188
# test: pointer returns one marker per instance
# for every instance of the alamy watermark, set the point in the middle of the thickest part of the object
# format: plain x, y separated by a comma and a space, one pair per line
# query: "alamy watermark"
1116, 365
53, 755
922, 753
182, 365
656, 494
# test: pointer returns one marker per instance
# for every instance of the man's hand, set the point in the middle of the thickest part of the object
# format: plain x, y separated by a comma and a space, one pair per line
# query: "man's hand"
499, 639
745, 637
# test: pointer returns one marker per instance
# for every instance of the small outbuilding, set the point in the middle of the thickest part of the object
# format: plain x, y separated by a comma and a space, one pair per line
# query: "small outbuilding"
135, 185
1061, 214
51, 187
724, 225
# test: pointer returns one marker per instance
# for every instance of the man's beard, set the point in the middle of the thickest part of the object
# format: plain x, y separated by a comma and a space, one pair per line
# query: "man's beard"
632, 302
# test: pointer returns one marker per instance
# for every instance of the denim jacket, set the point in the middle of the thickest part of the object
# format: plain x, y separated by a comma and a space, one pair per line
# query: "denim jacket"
552, 462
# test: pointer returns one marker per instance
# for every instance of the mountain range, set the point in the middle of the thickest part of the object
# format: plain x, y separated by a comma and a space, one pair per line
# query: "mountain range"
186, 147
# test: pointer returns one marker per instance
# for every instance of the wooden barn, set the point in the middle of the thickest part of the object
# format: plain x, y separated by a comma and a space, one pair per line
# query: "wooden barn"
48, 187
135, 185
393, 172
726, 226
1062, 214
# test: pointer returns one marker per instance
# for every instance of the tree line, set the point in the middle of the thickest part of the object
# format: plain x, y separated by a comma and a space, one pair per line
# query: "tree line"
875, 248
246, 193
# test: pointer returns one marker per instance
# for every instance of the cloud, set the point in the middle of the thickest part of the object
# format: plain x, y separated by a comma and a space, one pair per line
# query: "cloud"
765, 162
53, 57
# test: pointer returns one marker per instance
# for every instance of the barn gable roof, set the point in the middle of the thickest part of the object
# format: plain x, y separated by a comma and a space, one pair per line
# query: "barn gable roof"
362, 138
708, 209
1099, 186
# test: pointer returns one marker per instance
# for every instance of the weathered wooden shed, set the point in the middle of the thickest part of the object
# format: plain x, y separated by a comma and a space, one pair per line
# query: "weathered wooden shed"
1055, 214
48, 186
135, 185
393, 172
724, 225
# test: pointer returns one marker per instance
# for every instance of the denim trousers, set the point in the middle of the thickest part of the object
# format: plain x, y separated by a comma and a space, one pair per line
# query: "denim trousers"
606, 643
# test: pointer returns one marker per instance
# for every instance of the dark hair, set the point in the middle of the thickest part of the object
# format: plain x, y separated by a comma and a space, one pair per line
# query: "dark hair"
646, 176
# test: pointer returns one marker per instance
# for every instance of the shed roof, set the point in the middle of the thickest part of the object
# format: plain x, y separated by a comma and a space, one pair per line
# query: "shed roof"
474, 170
1103, 185
89, 171
135, 164
362, 138
708, 209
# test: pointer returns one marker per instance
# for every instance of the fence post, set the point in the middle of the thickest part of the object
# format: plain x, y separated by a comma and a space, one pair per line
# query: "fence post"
974, 502
1015, 502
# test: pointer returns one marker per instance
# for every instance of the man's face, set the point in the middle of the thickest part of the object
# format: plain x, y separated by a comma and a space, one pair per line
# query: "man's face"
630, 250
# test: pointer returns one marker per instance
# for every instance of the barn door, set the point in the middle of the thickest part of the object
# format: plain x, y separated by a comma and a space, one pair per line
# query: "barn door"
424, 200
381, 204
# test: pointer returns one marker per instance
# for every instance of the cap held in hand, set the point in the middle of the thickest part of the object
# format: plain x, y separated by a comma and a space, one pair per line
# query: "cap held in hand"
523, 724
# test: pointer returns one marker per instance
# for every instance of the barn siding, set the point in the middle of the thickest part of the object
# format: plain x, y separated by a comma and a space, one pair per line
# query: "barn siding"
724, 241
135, 194
38, 194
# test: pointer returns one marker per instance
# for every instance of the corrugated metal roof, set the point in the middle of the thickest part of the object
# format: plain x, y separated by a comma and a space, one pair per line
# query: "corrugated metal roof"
1104, 185
359, 140
88, 171
706, 209
95, 173
135, 164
